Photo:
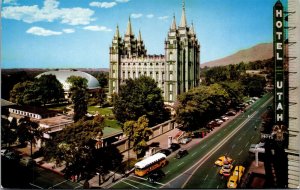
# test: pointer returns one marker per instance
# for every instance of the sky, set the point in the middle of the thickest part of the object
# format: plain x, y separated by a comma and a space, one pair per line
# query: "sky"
78, 33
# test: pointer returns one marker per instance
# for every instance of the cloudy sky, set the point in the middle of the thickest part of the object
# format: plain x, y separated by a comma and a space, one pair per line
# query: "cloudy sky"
78, 33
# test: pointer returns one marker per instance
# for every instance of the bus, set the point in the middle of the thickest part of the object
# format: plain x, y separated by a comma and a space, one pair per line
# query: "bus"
149, 164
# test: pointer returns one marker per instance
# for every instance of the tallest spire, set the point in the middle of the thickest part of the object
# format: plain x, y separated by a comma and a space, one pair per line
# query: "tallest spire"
183, 18
129, 29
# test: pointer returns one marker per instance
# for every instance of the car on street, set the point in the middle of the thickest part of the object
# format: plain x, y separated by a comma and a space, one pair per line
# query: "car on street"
181, 153
232, 182
230, 113
239, 171
165, 151
219, 121
221, 159
224, 118
12, 155
186, 140
173, 147
226, 169
156, 176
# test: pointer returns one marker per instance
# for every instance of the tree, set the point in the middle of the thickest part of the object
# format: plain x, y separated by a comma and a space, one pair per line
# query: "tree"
8, 133
49, 88
139, 133
140, 97
28, 131
75, 145
79, 96
19, 91
254, 85
44, 90
101, 96
199, 105
102, 78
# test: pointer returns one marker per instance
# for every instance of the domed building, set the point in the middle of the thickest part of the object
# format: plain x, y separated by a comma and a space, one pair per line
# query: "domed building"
63, 75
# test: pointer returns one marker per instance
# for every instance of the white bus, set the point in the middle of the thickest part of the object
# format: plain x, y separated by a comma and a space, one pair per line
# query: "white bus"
149, 164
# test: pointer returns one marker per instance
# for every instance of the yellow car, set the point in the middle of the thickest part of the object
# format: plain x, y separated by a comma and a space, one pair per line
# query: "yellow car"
220, 161
239, 171
226, 169
232, 182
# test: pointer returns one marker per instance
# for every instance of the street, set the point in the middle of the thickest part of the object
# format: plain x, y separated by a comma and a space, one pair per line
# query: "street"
197, 169
20, 177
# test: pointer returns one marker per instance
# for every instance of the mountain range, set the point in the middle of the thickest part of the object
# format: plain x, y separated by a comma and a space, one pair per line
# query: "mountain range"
258, 52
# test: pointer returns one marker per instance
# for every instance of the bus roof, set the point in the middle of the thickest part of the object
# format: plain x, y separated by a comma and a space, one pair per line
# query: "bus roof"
146, 162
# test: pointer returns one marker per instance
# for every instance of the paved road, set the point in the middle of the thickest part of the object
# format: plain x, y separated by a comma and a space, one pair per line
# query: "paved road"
14, 175
197, 170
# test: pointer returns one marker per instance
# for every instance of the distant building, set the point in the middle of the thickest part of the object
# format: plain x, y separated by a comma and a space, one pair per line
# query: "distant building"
62, 76
175, 72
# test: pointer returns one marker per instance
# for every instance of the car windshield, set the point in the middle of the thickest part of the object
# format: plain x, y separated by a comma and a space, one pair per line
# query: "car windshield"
226, 166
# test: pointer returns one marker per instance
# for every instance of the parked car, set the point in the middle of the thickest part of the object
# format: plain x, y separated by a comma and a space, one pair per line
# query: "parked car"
3, 152
165, 151
173, 147
181, 153
186, 140
230, 113
156, 176
27, 161
219, 121
224, 118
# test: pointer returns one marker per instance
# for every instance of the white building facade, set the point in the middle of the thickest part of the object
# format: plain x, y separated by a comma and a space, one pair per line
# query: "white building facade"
175, 72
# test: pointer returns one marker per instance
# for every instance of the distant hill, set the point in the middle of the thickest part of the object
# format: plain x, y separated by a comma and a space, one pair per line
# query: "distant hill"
259, 52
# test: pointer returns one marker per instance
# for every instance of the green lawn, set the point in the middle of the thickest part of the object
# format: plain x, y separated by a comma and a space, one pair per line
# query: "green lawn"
112, 123
101, 111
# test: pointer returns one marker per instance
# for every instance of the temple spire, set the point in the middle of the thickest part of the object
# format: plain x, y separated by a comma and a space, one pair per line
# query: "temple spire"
129, 29
117, 34
173, 26
139, 36
192, 28
183, 17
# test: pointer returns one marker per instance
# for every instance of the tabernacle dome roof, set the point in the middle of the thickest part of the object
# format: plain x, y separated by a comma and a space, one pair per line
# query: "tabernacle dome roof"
62, 75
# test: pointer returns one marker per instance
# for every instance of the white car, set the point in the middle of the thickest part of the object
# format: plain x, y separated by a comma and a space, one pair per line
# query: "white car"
224, 118
219, 121
3, 152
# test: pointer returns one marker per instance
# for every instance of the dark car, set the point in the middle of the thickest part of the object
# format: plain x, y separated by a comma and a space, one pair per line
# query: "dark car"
174, 146
156, 176
165, 151
181, 153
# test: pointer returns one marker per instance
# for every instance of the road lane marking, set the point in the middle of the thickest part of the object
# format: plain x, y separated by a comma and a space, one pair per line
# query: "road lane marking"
78, 186
141, 183
218, 146
36, 186
240, 138
59, 183
206, 177
241, 152
181, 163
252, 137
247, 144
129, 184
167, 172
194, 153
146, 179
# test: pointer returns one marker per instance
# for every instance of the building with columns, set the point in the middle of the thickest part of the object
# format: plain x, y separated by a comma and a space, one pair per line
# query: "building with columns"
175, 72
